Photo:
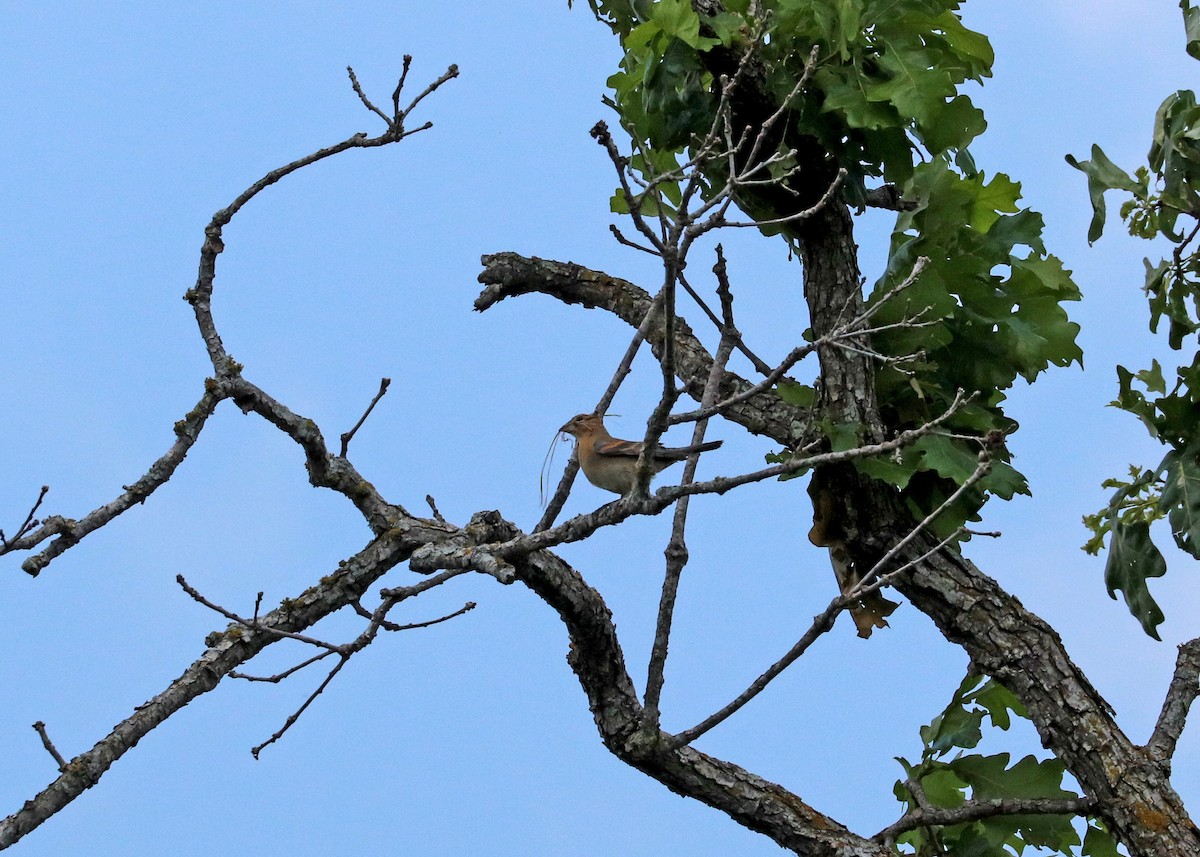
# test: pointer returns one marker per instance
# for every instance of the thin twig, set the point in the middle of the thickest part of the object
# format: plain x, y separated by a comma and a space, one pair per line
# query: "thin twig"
621, 239
466, 608
348, 436
251, 624
757, 362
294, 716
821, 623
926, 816
448, 75
277, 678
30, 522
437, 515
676, 551
407, 64
804, 214
362, 96
69, 532
40, 728
981, 469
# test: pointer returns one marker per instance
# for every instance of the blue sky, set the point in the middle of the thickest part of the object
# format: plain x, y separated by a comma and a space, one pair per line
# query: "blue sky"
126, 128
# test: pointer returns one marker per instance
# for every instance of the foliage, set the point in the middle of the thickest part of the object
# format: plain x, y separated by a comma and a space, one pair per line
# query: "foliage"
946, 778
991, 312
1162, 201
884, 101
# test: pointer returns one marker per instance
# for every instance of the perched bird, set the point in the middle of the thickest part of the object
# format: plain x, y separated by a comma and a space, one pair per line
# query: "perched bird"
610, 463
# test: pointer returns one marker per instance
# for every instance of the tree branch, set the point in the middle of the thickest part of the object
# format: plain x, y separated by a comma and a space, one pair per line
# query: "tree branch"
926, 816
1185, 686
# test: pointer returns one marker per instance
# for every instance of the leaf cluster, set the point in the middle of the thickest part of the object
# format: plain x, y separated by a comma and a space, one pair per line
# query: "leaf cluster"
1162, 201
989, 310
884, 90
947, 778
886, 79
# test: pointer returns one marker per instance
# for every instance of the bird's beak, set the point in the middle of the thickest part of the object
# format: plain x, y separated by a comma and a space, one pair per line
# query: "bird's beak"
564, 427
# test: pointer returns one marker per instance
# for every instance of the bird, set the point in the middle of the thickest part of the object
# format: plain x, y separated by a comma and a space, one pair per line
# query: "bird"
611, 463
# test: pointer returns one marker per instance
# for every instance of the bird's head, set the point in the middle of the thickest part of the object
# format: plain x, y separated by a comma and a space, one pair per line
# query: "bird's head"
583, 424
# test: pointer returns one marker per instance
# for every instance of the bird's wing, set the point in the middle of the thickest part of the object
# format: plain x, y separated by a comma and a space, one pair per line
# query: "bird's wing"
614, 447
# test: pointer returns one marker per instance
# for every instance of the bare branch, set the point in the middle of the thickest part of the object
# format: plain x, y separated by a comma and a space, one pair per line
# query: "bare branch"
228, 650
509, 274
1185, 686
927, 816
625, 242
437, 515
676, 551
759, 364
406, 65
69, 532
794, 217
362, 96
40, 728
412, 626
348, 436
28, 524
446, 76
295, 715
288, 673
821, 623
251, 624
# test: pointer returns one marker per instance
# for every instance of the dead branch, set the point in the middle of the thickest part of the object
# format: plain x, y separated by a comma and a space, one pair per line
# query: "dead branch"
676, 551
349, 436
40, 728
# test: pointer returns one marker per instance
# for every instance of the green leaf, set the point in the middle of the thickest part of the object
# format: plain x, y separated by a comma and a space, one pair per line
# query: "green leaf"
1152, 378
999, 701
915, 84
1098, 842
953, 125
948, 457
990, 778
971, 46
677, 19
1181, 498
1132, 560
1005, 481
998, 195
1191, 25
954, 727
1103, 175
800, 395
944, 788
887, 469
844, 436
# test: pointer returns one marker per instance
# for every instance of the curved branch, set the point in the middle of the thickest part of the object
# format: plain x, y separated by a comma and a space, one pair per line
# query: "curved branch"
508, 275
595, 656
